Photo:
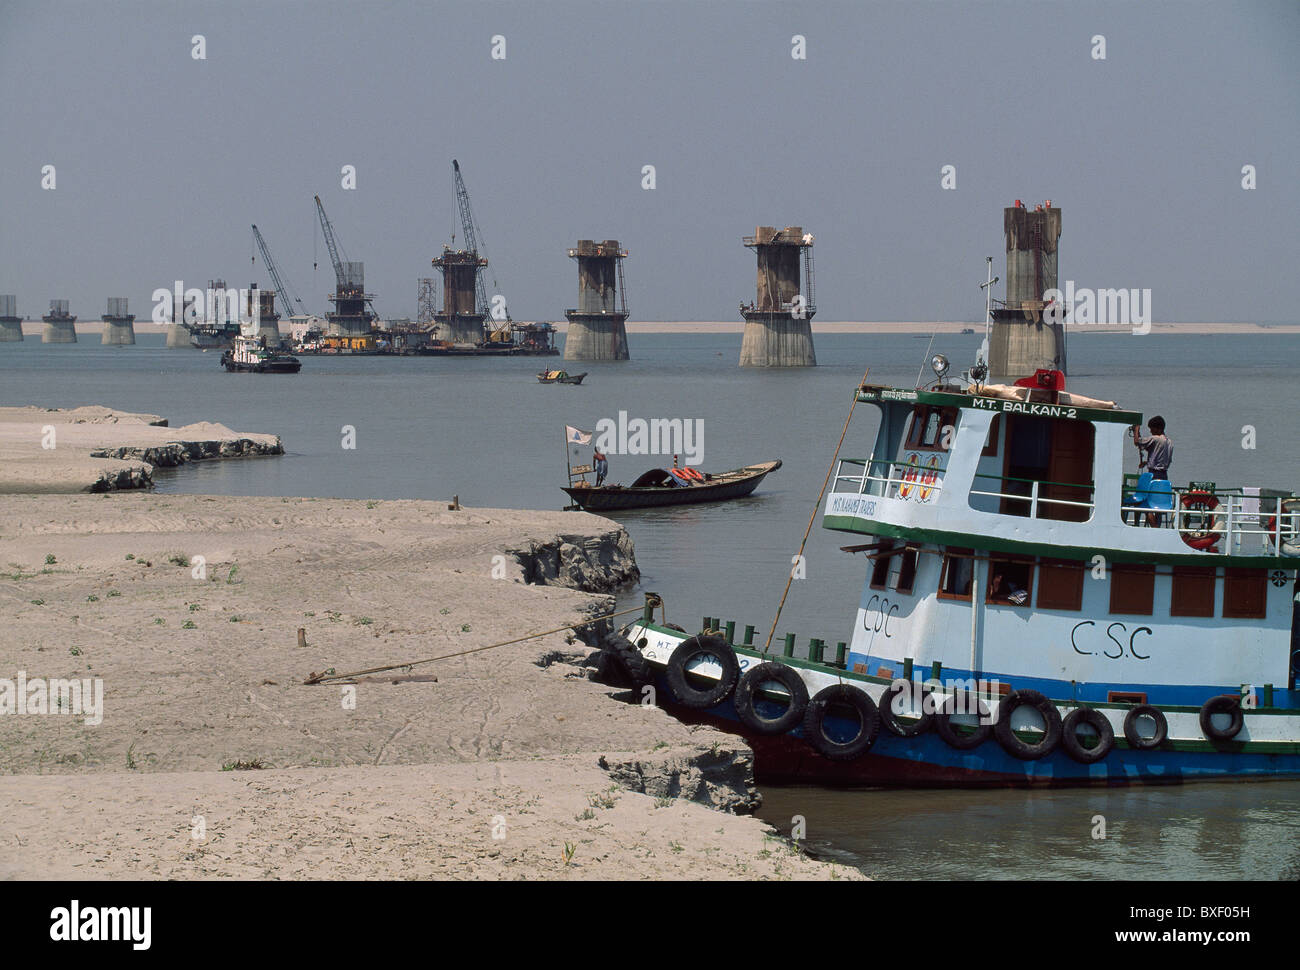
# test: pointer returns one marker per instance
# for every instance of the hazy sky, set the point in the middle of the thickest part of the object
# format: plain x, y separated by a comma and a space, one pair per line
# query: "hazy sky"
163, 161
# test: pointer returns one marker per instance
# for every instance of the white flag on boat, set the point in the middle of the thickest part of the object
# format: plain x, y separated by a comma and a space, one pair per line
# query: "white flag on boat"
577, 437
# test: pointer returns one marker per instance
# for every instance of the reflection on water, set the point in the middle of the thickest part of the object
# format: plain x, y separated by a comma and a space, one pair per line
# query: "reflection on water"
1231, 831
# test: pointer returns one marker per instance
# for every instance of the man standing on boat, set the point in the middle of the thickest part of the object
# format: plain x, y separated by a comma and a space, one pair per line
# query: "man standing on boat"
602, 466
1159, 449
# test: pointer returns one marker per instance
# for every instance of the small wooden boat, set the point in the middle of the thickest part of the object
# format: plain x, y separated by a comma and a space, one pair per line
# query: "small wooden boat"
560, 377
662, 487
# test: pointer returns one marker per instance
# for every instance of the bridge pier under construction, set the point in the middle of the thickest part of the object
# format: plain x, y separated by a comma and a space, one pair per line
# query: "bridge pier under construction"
1023, 337
597, 328
778, 324
119, 325
11, 324
60, 326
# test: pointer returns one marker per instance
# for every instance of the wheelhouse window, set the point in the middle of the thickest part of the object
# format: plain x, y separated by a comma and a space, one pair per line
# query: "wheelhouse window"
1011, 582
1060, 584
1245, 594
1048, 457
1132, 589
1192, 592
926, 430
895, 568
958, 571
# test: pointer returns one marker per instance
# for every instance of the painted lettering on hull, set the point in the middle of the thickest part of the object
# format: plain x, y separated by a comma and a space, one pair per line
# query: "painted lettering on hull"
1092, 637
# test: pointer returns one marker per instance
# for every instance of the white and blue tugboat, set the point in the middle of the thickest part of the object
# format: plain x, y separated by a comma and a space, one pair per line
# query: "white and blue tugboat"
1031, 614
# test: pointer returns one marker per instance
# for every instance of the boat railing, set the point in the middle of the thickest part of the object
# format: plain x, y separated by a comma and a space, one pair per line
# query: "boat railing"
892, 479
1231, 521
1025, 498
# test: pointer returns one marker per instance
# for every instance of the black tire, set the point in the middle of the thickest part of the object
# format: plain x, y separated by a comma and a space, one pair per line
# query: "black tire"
687, 694
1134, 739
627, 659
894, 723
954, 738
748, 687
1018, 747
1070, 737
1229, 704
674, 626
815, 718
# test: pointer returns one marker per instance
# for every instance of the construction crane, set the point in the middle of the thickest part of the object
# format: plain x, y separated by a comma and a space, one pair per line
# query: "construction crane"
287, 301
334, 248
328, 229
472, 231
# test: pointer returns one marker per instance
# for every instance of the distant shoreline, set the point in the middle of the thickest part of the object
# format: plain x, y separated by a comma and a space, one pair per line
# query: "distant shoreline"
33, 328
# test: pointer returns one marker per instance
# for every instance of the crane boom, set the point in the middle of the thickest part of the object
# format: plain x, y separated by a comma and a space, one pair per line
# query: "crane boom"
471, 237
328, 229
288, 302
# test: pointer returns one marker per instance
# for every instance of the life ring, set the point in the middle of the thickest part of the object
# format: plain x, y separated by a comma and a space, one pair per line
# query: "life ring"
891, 719
962, 741
1202, 505
814, 722
748, 688
910, 476
1136, 740
1070, 735
1290, 547
701, 645
1017, 746
1229, 704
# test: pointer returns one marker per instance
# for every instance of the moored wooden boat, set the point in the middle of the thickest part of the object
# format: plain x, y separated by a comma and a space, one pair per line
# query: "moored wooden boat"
560, 377
661, 487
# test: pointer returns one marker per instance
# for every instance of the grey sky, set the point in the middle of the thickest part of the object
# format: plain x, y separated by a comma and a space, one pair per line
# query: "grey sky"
163, 161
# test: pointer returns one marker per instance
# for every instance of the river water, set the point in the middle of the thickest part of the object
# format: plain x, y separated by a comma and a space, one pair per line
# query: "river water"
487, 431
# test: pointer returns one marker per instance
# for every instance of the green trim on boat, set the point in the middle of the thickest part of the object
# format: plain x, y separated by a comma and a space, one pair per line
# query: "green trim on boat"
969, 540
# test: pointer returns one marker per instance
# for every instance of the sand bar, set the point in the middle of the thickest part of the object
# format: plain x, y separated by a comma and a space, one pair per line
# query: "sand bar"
202, 671
98, 449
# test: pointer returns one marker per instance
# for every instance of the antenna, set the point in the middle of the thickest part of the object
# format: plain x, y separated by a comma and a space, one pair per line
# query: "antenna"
987, 287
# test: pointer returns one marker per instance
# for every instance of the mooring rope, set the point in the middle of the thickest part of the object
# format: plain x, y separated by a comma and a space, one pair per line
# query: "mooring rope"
321, 678
812, 518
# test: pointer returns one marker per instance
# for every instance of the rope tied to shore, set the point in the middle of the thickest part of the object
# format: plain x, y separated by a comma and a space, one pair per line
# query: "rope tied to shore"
323, 678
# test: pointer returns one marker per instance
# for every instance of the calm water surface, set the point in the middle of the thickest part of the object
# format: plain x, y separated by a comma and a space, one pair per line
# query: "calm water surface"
487, 431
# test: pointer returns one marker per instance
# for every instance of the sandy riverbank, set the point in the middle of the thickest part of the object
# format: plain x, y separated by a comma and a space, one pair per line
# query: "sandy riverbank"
414, 779
98, 449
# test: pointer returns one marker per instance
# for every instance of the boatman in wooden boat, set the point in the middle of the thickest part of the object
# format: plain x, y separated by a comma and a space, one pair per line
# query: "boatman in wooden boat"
602, 466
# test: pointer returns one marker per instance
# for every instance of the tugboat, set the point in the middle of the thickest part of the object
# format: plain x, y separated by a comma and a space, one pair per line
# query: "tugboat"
1031, 615
251, 355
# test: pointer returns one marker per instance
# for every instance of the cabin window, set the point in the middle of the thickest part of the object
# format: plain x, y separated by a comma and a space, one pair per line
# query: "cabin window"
928, 422
1011, 582
1132, 589
958, 569
1245, 594
1193, 591
895, 569
906, 578
1060, 585
880, 566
